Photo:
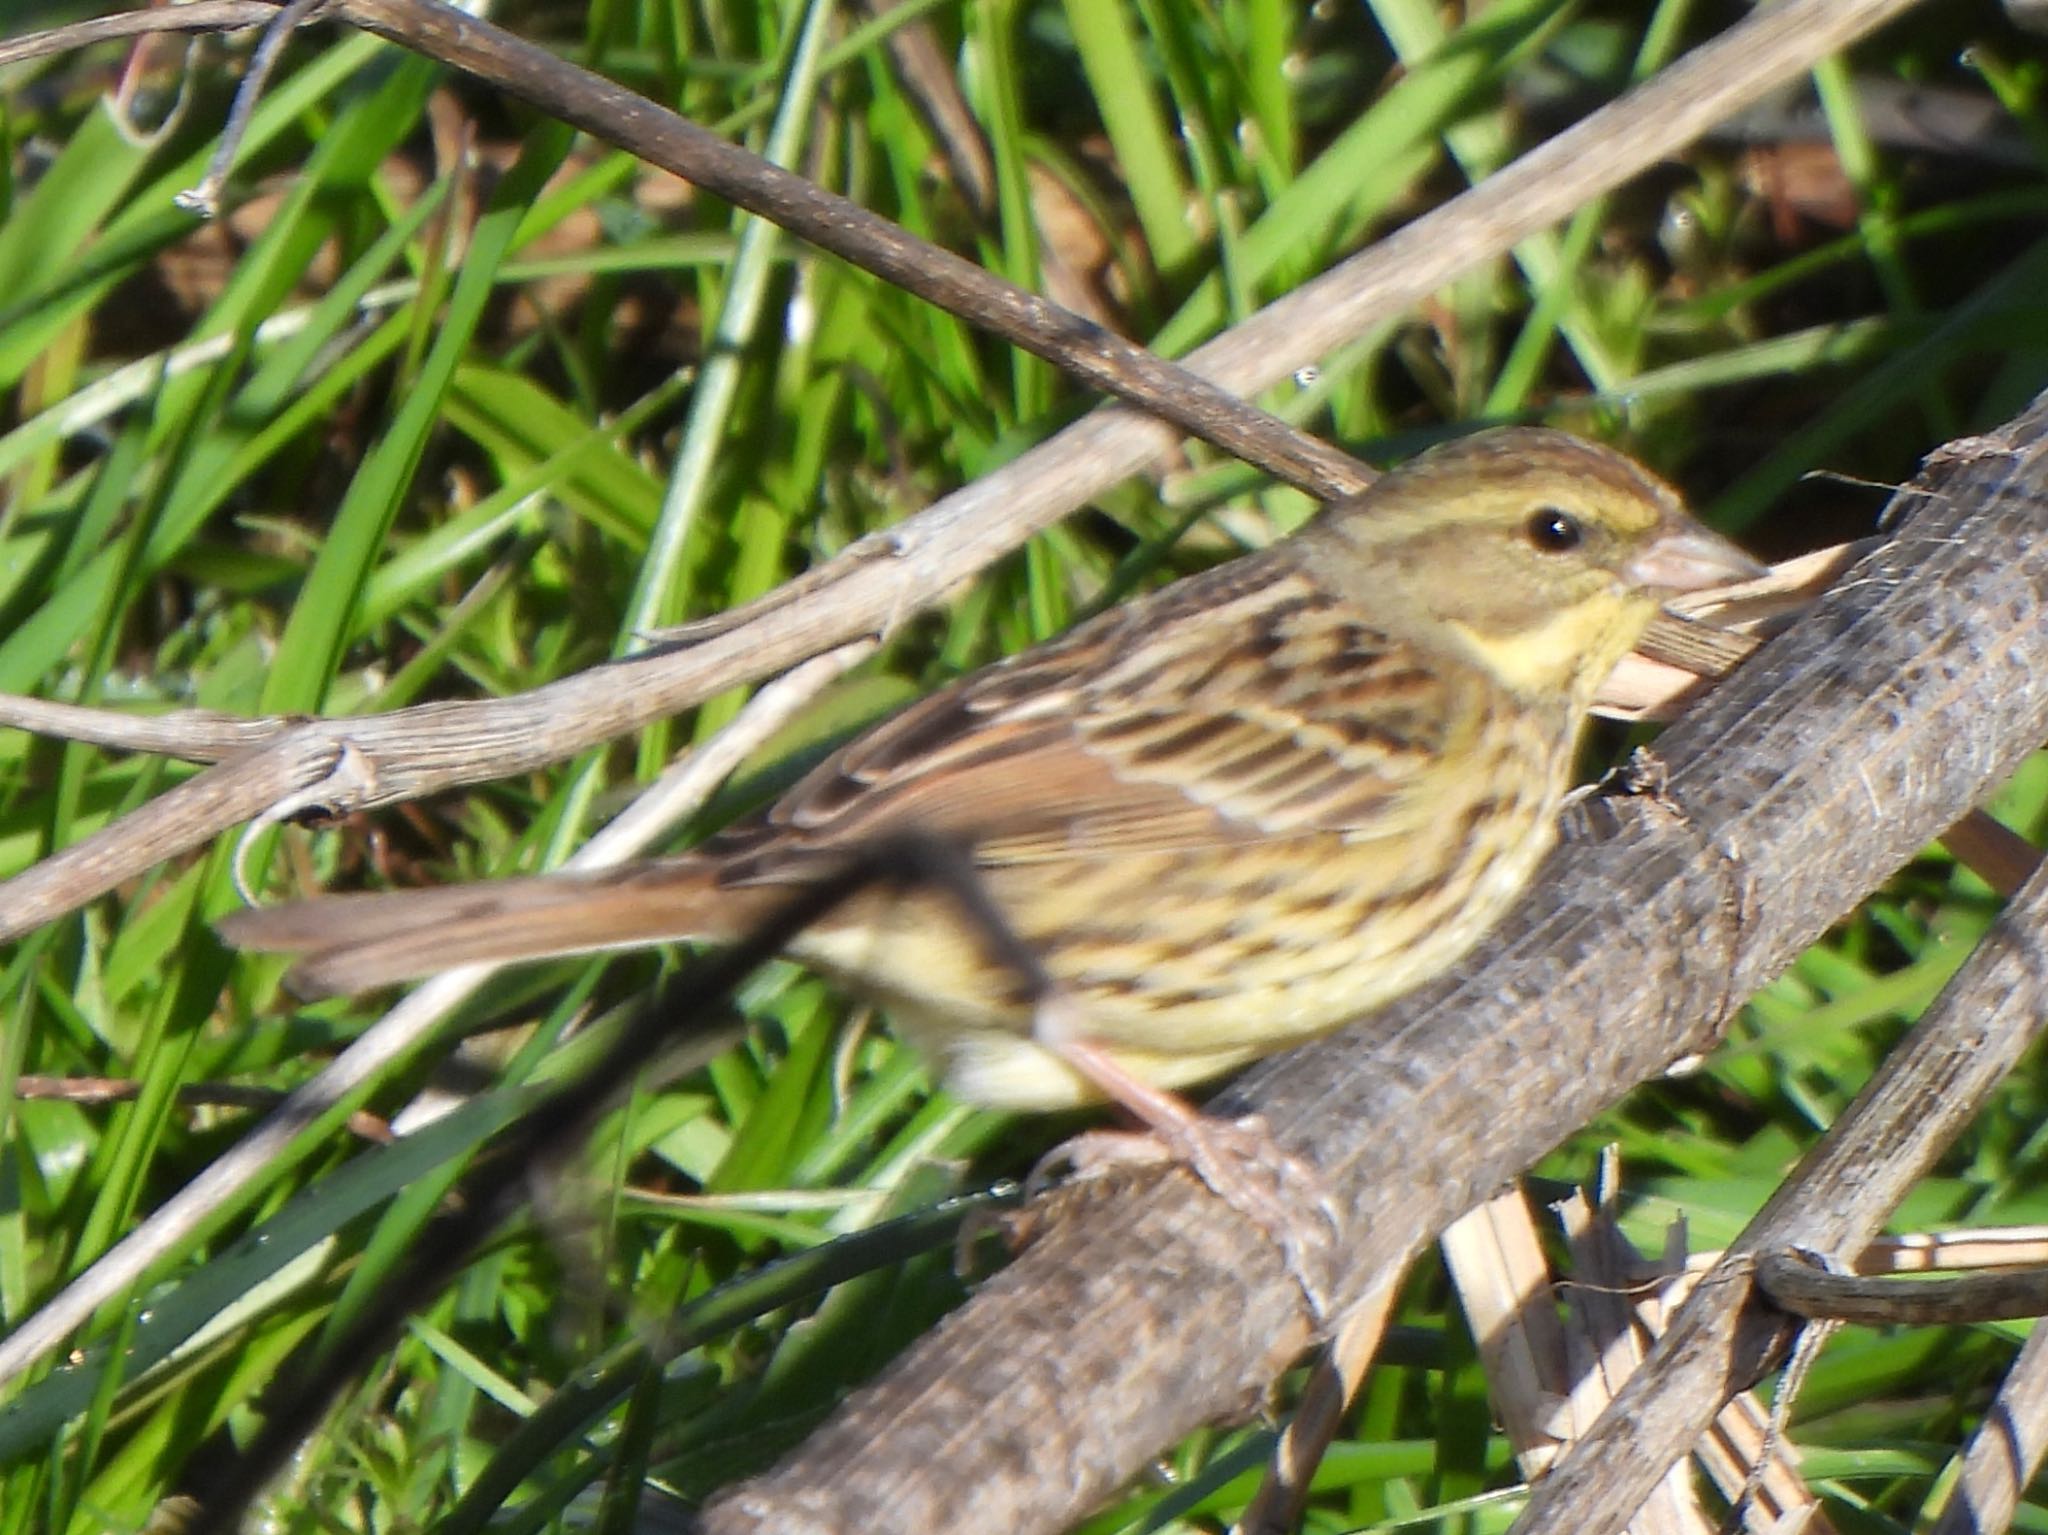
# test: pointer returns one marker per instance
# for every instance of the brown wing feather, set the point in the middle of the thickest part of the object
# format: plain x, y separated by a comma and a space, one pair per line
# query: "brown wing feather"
1306, 720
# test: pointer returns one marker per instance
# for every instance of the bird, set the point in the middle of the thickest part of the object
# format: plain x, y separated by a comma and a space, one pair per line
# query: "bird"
1219, 818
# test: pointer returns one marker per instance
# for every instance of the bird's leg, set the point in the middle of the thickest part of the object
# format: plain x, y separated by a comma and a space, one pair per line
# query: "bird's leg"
1238, 1159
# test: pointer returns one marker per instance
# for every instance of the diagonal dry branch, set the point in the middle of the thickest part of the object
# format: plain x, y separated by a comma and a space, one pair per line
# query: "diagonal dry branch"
342, 766
1926, 1093
1892, 707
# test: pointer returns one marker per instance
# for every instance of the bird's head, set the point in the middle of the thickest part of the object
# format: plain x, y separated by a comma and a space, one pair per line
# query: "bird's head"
1541, 555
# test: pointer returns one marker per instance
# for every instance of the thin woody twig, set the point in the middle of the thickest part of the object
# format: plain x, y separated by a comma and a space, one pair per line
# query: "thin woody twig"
232, 1095
1967, 1247
1803, 1287
204, 199
197, 16
190, 735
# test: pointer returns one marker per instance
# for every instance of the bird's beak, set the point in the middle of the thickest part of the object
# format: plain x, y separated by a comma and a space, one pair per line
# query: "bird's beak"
1691, 560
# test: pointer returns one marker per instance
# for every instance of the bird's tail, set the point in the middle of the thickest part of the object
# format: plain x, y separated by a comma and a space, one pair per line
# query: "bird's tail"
357, 942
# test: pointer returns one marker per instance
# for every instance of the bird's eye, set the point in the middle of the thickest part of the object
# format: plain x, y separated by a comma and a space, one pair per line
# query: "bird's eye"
1553, 531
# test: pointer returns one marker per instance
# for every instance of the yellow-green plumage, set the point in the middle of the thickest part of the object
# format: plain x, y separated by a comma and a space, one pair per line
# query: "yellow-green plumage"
1225, 817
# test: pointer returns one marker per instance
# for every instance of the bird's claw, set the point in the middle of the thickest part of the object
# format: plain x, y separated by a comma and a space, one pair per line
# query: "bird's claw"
1241, 1163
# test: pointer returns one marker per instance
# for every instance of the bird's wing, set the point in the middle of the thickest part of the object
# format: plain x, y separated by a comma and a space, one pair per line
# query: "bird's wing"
1235, 707
1239, 705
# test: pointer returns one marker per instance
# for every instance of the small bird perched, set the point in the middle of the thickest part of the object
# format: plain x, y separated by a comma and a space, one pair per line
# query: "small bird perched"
1223, 817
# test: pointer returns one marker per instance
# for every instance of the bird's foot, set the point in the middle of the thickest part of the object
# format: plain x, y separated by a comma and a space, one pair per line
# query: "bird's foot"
1239, 1160
1241, 1163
